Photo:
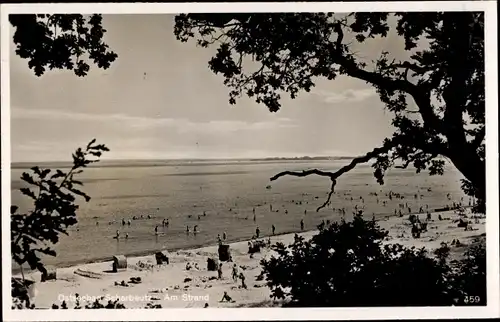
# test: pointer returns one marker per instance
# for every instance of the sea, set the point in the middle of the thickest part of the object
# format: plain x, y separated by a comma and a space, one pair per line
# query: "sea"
221, 196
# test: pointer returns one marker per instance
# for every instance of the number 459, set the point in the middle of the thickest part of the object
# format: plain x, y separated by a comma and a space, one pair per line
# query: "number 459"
472, 299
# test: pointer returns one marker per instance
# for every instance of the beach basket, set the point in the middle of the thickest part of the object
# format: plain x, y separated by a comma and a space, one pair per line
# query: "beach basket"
49, 273
212, 264
224, 253
119, 263
161, 257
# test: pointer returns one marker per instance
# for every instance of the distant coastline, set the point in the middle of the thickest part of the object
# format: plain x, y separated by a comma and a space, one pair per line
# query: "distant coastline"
173, 162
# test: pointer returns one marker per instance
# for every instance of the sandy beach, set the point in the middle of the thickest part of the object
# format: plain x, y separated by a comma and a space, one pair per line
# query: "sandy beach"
173, 286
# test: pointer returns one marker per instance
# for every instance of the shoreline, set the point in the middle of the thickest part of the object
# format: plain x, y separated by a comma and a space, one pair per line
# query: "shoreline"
168, 285
150, 252
382, 217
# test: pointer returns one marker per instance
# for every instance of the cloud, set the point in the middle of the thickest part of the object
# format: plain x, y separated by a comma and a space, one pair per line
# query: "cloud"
350, 95
182, 125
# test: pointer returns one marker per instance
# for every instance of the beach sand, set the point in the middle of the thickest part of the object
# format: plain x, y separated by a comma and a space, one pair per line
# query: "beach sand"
172, 286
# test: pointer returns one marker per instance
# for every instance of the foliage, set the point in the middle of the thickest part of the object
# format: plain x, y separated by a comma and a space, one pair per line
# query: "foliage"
470, 276
444, 78
61, 41
346, 265
54, 210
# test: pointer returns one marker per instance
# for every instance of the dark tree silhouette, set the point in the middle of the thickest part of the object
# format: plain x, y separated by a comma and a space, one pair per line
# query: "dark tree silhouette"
346, 264
445, 79
61, 42
54, 208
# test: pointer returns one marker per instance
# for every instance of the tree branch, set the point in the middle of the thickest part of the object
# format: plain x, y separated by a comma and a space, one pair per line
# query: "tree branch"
334, 175
412, 66
422, 98
481, 134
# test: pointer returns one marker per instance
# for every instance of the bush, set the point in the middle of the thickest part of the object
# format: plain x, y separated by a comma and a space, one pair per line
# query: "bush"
54, 208
469, 278
346, 265
53, 212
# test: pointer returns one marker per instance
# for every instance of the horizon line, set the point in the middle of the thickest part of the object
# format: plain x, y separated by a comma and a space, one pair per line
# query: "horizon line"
202, 159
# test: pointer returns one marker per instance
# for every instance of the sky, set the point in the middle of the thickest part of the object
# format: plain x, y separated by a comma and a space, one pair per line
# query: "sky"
180, 108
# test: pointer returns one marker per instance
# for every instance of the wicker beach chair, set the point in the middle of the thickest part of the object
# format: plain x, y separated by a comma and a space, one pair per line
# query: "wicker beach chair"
119, 263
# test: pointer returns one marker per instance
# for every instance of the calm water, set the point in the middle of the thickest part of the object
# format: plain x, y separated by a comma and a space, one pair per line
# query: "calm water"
227, 192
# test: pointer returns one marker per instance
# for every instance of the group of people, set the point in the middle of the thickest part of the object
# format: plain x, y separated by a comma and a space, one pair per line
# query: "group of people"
235, 274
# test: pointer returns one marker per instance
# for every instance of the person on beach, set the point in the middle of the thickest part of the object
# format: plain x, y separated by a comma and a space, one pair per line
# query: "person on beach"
219, 271
163, 222
302, 224
117, 234
273, 229
257, 232
156, 230
129, 222
187, 230
195, 229
305, 212
149, 216
126, 235
242, 278
123, 222
199, 217
235, 273
270, 207
224, 236
226, 298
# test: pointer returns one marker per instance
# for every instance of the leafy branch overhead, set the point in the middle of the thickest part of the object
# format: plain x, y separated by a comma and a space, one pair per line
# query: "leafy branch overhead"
264, 56
61, 41
54, 195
